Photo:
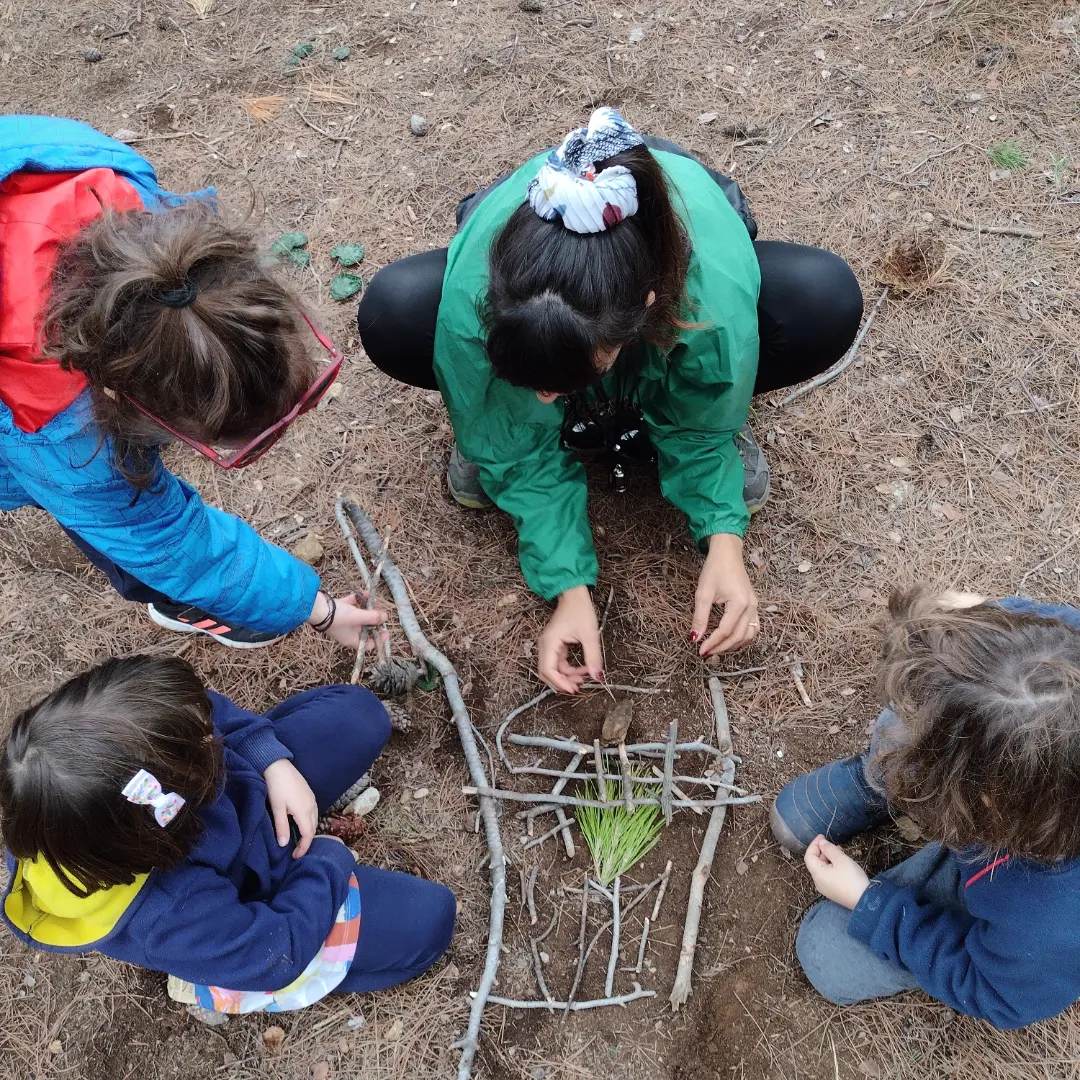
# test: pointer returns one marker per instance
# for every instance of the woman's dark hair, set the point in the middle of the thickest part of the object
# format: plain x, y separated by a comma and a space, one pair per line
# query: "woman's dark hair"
989, 703
221, 368
555, 297
68, 758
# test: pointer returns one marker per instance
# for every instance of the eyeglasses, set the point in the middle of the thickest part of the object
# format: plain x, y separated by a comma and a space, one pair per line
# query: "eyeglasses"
254, 449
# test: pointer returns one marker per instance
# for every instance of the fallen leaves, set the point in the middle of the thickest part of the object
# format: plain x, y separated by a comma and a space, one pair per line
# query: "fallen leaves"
272, 1038
263, 109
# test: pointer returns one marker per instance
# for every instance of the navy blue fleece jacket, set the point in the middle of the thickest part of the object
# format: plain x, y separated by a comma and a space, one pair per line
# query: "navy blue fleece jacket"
1012, 957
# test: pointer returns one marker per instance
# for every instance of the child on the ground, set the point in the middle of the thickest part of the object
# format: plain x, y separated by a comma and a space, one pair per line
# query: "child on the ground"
980, 747
146, 818
129, 319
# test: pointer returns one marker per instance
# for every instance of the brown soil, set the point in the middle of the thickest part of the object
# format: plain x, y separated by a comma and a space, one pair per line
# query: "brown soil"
948, 452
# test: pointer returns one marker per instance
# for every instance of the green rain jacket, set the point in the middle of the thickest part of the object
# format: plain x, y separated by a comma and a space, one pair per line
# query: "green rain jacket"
693, 397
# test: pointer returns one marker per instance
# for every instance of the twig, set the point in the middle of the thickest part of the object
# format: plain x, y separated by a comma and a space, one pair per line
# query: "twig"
571, 1006
550, 802
322, 131
598, 766
995, 230
425, 651
680, 990
641, 946
530, 894
844, 362
797, 673
616, 927
1049, 558
664, 879
674, 787
607, 609
933, 157
568, 746
511, 717
574, 774
564, 821
581, 946
538, 967
627, 783
669, 766
557, 828
382, 639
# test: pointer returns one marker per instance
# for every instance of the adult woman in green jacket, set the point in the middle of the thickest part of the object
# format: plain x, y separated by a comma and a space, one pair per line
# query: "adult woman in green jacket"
609, 294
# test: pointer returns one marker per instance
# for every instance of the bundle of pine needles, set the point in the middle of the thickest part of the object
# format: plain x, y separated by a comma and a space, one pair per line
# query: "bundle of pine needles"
618, 837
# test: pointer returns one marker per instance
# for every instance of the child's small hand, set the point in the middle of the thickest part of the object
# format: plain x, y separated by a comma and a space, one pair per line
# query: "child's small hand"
351, 617
837, 876
290, 797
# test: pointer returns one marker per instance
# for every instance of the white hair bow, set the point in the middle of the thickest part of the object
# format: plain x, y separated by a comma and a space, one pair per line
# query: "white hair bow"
143, 789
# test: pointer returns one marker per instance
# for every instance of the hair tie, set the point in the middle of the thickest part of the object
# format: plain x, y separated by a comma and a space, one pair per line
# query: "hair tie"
143, 789
568, 186
181, 297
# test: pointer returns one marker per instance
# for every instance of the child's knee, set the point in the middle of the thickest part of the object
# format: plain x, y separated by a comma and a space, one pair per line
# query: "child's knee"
820, 946
363, 716
443, 907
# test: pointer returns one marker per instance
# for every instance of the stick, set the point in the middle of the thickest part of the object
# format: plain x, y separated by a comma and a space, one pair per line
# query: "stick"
674, 787
568, 746
537, 841
844, 362
574, 774
560, 813
669, 766
570, 1006
550, 802
796, 669
664, 879
641, 946
995, 230
538, 967
322, 131
513, 715
598, 765
530, 894
627, 783
680, 990
616, 926
424, 650
1049, 558
581, 947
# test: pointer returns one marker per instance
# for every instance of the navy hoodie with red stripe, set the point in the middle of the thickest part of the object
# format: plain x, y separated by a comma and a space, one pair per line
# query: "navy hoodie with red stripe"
1012, 955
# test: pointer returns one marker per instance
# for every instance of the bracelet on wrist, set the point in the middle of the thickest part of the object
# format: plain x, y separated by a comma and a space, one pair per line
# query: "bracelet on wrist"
327, 620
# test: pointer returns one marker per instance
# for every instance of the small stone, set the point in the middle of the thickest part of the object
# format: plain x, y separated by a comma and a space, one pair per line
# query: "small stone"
93, 56
228, 1059
707, 118
273, 1037
125, 135
533, 7
56, 1047
309, 548
355, 1023
421, 793
84, 976
341, 53
636, 35
418, 125
29, 982
331, 395
395, 1030
320, 1070
805, 566
849, 691
364, 803
544, 958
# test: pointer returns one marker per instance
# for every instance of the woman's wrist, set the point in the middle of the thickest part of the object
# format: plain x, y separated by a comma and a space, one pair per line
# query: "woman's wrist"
725, 546
579, 594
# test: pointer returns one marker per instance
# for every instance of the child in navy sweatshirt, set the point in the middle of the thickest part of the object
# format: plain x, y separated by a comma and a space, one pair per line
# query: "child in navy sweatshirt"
147, 818
980, 746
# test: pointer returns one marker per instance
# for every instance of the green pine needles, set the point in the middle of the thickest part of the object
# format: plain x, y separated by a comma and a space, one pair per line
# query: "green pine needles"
618, 837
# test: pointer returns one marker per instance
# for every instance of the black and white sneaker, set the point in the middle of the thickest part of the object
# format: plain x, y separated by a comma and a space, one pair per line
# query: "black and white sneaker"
185, 619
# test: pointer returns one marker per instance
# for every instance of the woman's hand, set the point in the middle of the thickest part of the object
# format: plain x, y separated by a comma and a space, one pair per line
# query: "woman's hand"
290, 797
837, 876
350, 618
573, 623
724, 581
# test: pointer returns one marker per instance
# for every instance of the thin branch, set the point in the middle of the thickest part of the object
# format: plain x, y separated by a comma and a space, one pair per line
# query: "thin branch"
322, 131
664, 879
994, 230
568, 746
616, 927
551, 801
425, 651
1049, 558
557, 828
844, 362
669, 766
574, 774
572, 1006
627, 783
538, 967
797, 673
641, 946
674, 786
581, 945
680, 990
530, 894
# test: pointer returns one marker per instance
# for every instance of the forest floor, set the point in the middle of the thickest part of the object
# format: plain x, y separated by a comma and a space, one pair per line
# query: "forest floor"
948, 454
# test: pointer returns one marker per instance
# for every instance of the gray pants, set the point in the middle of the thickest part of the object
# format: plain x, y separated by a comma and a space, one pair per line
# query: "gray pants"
843, 969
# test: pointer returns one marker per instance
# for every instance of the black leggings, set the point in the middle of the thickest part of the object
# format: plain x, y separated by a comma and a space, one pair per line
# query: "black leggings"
808, 314
808, 311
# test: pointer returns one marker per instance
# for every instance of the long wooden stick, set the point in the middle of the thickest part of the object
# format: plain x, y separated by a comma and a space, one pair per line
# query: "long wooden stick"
627, 782
656, 778
669, 766
551, 801
616, 927
571, 746
570, 1006
680, 990
425, 651
994, 230
844, 362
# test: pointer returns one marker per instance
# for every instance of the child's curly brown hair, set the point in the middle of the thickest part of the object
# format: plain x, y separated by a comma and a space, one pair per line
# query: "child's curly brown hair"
989, 700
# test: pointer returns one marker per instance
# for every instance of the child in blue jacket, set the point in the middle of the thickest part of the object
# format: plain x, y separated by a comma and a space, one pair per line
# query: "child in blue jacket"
128, 319
980, 746
146, 818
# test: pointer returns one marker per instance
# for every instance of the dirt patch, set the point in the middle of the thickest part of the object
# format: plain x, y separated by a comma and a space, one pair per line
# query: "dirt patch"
947, 453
